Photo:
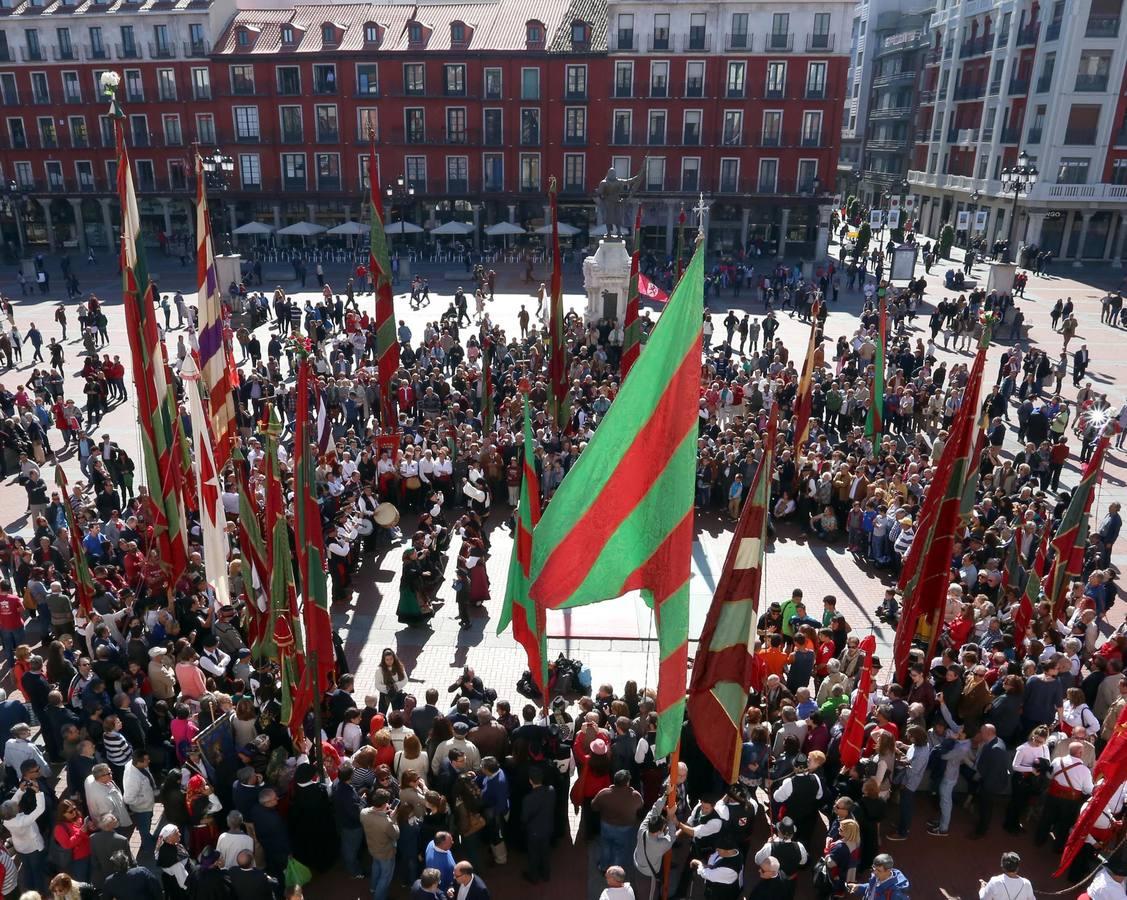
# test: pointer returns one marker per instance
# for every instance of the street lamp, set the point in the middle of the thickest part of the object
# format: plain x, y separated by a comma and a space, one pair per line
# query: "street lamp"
974, 198
1016, 180
400, 193
218, 170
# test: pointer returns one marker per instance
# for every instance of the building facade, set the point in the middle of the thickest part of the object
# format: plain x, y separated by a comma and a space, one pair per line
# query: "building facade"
474, 105
1009, 77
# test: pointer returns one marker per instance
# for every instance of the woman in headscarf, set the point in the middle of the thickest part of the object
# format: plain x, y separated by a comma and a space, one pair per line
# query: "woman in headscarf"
312, 831
414, 603
200, 806
174, 863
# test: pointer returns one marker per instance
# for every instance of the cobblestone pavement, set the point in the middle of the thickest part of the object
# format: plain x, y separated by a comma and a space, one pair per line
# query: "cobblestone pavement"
614, 646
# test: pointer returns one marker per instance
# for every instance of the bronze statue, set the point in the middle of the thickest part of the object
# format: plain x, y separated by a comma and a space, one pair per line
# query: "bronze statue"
611, 195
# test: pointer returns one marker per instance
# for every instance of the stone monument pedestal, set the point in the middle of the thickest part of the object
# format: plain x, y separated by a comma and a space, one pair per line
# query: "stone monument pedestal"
606, 278
228, 268
1000, 277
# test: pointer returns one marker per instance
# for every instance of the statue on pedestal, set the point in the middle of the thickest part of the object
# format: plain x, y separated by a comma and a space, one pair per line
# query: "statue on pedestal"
611, 196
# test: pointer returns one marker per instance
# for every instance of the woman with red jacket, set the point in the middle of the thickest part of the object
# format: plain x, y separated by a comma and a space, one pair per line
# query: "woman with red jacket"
71, 834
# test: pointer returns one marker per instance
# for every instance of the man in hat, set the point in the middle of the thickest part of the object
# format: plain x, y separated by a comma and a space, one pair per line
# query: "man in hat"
789, 853
798, 797
457, 742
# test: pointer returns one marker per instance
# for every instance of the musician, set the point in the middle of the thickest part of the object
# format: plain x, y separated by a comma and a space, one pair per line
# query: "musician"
411, 483
339, 544
443, 477
1070, 781
388, 475
1102, 837
366, 506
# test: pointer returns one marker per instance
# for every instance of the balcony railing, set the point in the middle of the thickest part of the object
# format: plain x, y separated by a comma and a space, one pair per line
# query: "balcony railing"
328, 135
196, 48
776, 42
623, 91
817, 42
1102, 27
127, 51
976, 46
1085, 137
741, 41
1018, 86
201, 92
815, 93
162, 51
694, 43
1120, 138
293, 136
575, 94
1034, 136
658, 42
659, 91
1044, 84
40, 99
1052, 33
1010, 135
96, 53
33, 54
1028, 35
64, 54
970, 91
624, 41
1091, 83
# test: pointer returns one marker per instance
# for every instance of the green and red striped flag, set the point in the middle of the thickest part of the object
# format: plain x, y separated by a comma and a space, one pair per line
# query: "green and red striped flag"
379, 265
310, 540
253, 547
874, 421
622, 520
557, 351
1031, 595
83, 580
283, 638
804, 399
632, 326
971, 477
526, 615
724, 666
156, 403
1072, 533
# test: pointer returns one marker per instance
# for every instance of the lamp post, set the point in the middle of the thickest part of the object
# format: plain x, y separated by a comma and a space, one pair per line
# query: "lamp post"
218, 169
14, 203
974, 198
1016, 180
400, 193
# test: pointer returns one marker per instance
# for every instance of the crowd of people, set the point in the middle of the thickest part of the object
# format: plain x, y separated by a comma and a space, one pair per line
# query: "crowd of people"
154, 707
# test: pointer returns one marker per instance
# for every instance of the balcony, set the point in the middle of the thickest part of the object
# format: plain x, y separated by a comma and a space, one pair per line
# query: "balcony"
1027, 36
927, 97
811, 140
1096, 83
890, 112
694, 89
770, 140
328, 135
493, 186
1034, 136
658, 42
96, 53
242, 87
33, 54
64, 54
815, 93
731, 139
324, 86
690, 183
196, 49
1052, 33
1044, 84
293, 183
575, 140
623, 91
41, 99
970, 91
162, 51
456, 137
247, 137
895, 78
728, 186
977, 46
73, 97
492, 137
530, 187
1102, 27
891, 145
575, 94
775, 42
817, 43
530, 137
201, 92
962, 137
1080, 137
774, 93
691, 138
656, 138
127, 51
995, 88
694, 43
328, 182
735, 93
1010, 135
1018, 86
624, 42
457, 186
741, 41
1003, 39
659, 91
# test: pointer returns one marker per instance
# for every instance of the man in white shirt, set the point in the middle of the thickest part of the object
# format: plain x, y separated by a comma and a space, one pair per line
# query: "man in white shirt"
233, 841
618, 888
213, 660
103, 796
1009, 885
1108, 884
27, 840
1070, 781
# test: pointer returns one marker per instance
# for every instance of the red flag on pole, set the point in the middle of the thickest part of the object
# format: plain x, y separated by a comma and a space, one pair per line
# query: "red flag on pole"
853, 736
647, 290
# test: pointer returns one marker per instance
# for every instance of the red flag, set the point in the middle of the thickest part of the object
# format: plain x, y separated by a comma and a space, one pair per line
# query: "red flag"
725, 663
853, 737
1111, 767
1024, 614
804, 400
649, 291
631, 327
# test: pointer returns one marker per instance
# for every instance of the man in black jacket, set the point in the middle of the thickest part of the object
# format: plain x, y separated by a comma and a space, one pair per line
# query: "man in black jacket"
537, 813
250, 883
129, 882
992, 767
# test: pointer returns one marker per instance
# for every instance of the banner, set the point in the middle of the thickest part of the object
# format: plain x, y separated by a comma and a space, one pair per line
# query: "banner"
647, 290
894, 218
876, 217
910, 202
893, 205
963, 221
980, 217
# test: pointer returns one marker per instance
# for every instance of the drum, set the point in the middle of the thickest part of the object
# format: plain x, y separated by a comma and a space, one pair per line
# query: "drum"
387, 516
364, 527
413, 483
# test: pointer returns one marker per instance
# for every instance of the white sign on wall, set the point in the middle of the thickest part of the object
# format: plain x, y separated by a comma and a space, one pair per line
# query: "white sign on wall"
963, 221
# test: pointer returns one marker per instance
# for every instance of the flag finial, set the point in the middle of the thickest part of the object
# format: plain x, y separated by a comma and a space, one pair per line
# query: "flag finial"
700, 210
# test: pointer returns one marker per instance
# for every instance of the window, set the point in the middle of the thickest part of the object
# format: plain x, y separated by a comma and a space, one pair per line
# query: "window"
161, 45
729, 176
172, 134
414, 79
85, 173
166, 84
289, 80
816, 80
623, 79
779, 39
414, 125
575, 167
768, 175
454, 80
23, 175
128, 42
365, 180
690, 174
196, 39
328, 171
625, 33
72, 90
205, 128
328, 126
533, 33
62, 38
371, 34
659, 79
737, 39
415, 33
529, 84
1093, 72
17, 134
698, 39
655, 174
772, 128
416, 172
576, 84
8, 91
456, 125
324, 79
292, 130
367, 82
457, 33
246, 123
530, 126
807, 175
811, 128
250, 171
139, 128
494, 130
656, 130
242, 80
578, 33
39, 90
492, 84
623, 126
690, 132
367, 123
134, 87
737, 72
661, 31
328, 35
293, 171
820, 38
287, 35
694, 79
530, 171
97, 48
201, 84
34, 52
54, 176
105, 131
776, 79
457, 175
575, 125
1119, 171
1073, 170
79, 137
493, 172
242, 38
733, 128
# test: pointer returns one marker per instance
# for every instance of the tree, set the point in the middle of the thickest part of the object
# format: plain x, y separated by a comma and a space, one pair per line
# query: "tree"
946, 241
863, 237
854, 210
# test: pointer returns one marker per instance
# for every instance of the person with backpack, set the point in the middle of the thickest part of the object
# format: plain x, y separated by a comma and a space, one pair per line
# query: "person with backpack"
656, 836
886, 882
839, 864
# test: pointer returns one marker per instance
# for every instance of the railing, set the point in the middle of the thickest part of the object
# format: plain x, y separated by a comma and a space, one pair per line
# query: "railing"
242, 88
1044, 84
623, 91
1091, 83
324, 88
970, 91
162, 51
890, 112
64, 54
962, 136
976, 46
776, 93
328, 135
815, 93
694, 89
196, 48
1052, 33
1018, 86
293, 136
659, 43
92, 52
134, 96
1028, 34
995, 88
655, 138
895, 78
32, 54
659, 91
199, 92
575, 140
1003, 39
1120, 138
127, 51
570, 94
774, 42
927, 96
1010, 135
1085, 137
742, 41
816, 42
1101, 191
40, 99
73, 97
1102, 27
690, 43
691, 139
624, 41
1034, 136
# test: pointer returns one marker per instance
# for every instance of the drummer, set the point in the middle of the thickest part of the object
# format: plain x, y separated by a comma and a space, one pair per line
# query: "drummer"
388, 475
411, 485
338, 541
366, 506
